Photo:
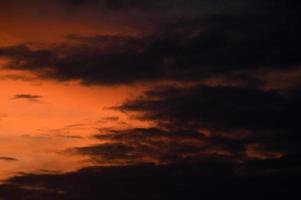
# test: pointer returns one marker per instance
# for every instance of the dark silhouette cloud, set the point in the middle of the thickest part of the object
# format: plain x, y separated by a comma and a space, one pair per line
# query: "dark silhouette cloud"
158, 5
112, 4
154, 145
200, 181
227, 128
30, 97
80, 2
112, 119
251, 116
219, 44
6, 158
215, 107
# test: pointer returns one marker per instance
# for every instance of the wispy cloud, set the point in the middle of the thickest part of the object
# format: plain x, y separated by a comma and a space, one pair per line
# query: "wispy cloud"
6, 158
29, 97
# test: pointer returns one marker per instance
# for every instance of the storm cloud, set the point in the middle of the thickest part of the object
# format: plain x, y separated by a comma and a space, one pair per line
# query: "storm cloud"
202, 180
158, 146
186, 50
222, 98
266, 119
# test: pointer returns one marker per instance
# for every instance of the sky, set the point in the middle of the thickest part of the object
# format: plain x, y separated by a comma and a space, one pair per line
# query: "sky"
141, 99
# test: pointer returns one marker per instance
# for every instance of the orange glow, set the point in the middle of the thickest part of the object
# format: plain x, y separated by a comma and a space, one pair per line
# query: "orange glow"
254, 151
37, 132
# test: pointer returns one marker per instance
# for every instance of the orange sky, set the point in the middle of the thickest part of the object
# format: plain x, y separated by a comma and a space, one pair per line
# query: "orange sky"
64, 114
52, 22
37, 132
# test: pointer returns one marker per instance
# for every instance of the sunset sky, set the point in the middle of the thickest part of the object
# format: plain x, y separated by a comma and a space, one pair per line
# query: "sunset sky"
106, 99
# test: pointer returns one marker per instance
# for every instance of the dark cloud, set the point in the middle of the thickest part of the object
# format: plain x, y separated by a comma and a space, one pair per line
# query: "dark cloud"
70, 136
111, 118
80, 2
216, 44
89, 63
113, 4
154, 145
221, 108
253, 139
159, 5
75, 125
30, 97
6, 158
266, 118
132, 4
192, 181
228, 114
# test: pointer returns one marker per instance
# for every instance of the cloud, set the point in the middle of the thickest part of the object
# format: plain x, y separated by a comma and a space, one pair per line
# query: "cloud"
80, 2
200, 180
216, 107
70, 136
228, 113
29, 97
156, 5
6, 158
109, 119
265, 119
118, 5
187, 50
158, 146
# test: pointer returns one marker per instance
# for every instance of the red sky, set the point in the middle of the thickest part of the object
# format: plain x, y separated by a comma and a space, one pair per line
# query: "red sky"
130, 82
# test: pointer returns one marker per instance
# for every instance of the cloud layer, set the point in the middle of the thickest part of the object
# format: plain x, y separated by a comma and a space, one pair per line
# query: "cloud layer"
215, 44
223, 99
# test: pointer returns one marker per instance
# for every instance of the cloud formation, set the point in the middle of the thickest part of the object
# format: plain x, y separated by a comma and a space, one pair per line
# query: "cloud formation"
29, 97
216, 44
223, 100
259, 122
6, 158
203, 180
158, 146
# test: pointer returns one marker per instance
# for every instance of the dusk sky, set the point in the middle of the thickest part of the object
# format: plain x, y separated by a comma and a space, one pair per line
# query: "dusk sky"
150, 99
